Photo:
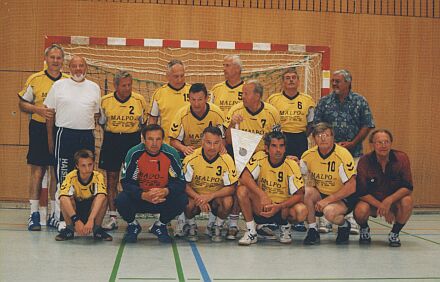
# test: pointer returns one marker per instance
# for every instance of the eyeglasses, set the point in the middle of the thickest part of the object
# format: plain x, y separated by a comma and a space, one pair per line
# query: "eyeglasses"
323, 135
386, 142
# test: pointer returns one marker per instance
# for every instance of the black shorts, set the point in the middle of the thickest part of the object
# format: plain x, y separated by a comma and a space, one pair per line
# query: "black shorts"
38, 153
276, 218
350, 202
83, 209
297, 144
115, 147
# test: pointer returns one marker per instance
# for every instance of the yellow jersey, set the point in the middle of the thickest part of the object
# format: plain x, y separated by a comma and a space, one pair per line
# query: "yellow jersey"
261, 122
36, 88
331, 171
73, 187
119, 116
205, 176
225, 96
165, 103
188, 128
295, 112
280, 181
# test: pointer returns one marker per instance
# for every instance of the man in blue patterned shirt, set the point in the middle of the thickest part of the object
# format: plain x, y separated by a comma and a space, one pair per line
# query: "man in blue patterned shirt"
351, 119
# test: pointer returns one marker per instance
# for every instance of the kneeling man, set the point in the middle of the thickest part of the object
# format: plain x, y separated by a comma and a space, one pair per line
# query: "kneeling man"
384, 184
271, 190
83, 199
332, 169
211, 180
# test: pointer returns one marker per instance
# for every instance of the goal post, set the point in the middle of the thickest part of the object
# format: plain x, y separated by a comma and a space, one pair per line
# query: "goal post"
146, 60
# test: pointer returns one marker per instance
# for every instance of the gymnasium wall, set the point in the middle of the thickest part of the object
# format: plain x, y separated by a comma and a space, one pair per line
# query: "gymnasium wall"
394, 62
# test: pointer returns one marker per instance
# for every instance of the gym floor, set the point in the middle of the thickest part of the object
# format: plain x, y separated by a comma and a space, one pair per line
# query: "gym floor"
36, 256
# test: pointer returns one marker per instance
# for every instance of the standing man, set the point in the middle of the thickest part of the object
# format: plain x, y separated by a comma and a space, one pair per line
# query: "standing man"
39, 158
83, 198
152, 182
332, 168
384, 185
76, 102
271, 190
188, 124
211, 180
351, 118
230, 92
169, 98
123, 113
251, 115
296, 112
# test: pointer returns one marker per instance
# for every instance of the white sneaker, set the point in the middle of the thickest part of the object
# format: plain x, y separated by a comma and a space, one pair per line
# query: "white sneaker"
324, 226
285, 234
232, 233
248, 239
181, 231
217, 234
61, 225
111, 224
354, 226
193, 233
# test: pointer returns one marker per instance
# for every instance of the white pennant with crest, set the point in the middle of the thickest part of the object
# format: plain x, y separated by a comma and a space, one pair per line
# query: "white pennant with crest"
244, 144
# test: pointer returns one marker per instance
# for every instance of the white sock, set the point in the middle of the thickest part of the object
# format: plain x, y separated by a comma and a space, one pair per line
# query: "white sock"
35, 205
219, 221
52, 207
233, 220
313, 225
250, 225
134, 222
191, 221
211, 219
159, 223
345, 224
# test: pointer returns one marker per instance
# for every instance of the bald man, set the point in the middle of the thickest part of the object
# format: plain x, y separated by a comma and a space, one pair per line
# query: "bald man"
76, 103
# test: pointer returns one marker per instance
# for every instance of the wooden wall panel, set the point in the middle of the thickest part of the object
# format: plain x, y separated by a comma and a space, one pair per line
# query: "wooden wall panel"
394, 60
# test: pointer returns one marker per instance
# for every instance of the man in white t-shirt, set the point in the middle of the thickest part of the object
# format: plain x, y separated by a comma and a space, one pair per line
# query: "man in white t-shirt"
76, 103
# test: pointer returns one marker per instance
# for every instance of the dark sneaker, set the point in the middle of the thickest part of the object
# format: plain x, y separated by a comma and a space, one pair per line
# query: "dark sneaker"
133, 230
217, 234
300, 227
65, 234
312, 237
52, 222
34, 222
365, 236
343, 234
100, 234
393, 239
162, 233
266, 233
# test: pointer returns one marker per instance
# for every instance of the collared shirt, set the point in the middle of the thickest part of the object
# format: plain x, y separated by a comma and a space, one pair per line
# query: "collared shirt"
372, 180
347, 118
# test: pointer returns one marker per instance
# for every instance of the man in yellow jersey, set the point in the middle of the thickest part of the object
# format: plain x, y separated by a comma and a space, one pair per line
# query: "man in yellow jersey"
229, 92
169, 98
39, 158
211, 179
189, 123
83, 198
296, 112
123, 113
271, 190
251, 115
333, 170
